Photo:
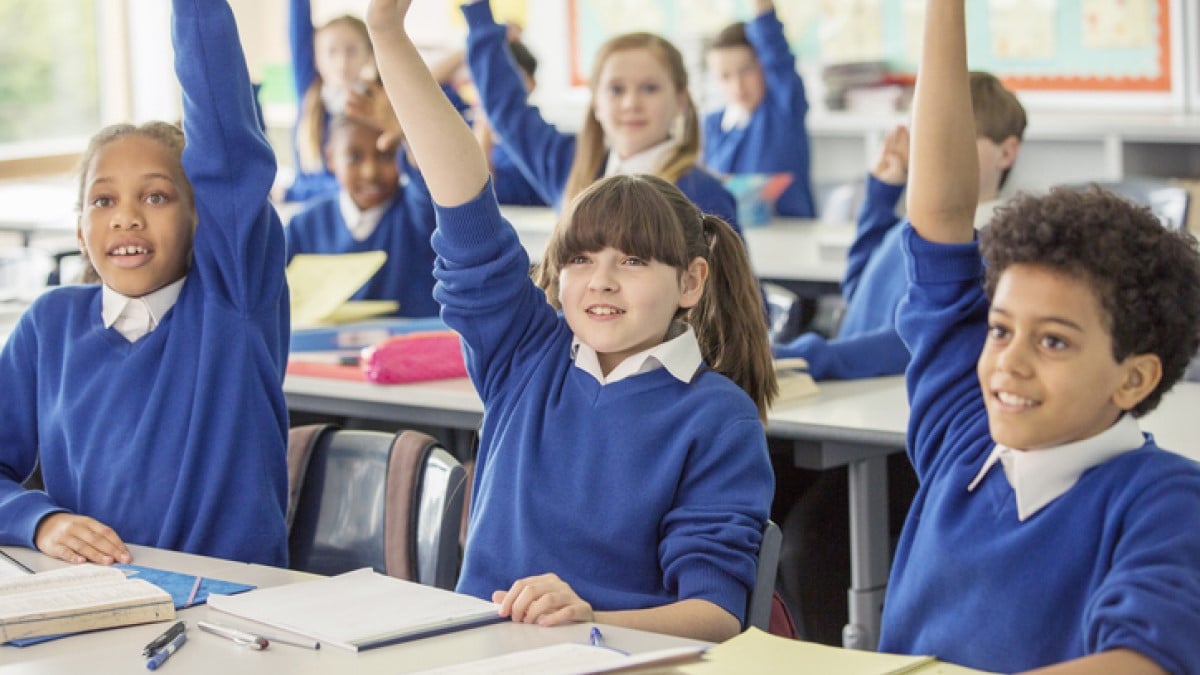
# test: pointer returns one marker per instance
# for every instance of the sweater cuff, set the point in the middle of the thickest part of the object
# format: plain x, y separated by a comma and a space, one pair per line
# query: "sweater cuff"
932, 263
708, 582
478, 14
877, 189
25, 512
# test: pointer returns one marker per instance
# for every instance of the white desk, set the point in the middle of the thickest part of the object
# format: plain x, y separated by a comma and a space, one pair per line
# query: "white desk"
119, 649
789, 249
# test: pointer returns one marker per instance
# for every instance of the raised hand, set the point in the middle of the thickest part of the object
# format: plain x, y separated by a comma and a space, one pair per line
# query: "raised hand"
78, 539
370, 104
892, 165
545, 600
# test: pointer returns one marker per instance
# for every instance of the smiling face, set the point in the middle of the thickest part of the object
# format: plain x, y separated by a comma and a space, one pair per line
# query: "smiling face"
369, 175
636, 101
1047, 369
740, 76
342, 53
620, 304
137, 220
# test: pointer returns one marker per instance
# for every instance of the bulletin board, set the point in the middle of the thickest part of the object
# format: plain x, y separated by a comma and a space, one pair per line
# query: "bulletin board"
1042, 45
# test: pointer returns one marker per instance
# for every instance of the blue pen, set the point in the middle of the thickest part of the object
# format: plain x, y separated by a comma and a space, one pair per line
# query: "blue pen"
597, 639
165, 653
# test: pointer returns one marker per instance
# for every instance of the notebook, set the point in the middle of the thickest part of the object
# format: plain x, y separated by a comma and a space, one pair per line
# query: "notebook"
359, 610
321, 287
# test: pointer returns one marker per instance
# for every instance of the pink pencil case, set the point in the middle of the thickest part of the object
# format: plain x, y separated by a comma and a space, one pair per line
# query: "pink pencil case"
415, 357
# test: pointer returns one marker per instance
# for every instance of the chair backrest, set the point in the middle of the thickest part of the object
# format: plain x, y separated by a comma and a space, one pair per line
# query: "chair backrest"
1168, 202
392, 502
758, 610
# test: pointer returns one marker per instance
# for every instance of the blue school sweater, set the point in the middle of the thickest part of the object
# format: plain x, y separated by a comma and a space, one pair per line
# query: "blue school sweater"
541, 151
403, 233
866, 344
637, 494
774, 140
177, 440
307, 184
511, 185
1110, 564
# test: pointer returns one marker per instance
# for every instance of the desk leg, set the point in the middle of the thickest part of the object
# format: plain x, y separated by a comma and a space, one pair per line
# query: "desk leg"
869, 552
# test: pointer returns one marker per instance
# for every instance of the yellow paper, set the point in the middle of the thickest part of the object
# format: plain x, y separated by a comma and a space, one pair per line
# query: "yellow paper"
763, 654
320, 285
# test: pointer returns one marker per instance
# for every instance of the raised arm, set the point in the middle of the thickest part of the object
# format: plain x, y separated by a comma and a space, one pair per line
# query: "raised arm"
300, 38
944, 170
543, 153
445, 149
785, 88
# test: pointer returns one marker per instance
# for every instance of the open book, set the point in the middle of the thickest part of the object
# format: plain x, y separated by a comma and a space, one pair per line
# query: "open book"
73, 599
359, 610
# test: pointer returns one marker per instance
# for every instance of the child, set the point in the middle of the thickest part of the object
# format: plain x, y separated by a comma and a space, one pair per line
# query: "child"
866, 344
368, 215
639, 93
1048, 528
761, 129
331, 66
511, 185
154, 403
619, 479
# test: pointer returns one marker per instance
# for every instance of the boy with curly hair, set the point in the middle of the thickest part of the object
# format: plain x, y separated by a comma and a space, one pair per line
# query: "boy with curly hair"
1048, 531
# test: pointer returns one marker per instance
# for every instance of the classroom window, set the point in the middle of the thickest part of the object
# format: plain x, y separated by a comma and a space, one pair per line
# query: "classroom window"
49, 70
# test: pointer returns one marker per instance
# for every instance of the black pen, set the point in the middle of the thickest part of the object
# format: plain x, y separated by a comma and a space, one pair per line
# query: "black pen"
162, 640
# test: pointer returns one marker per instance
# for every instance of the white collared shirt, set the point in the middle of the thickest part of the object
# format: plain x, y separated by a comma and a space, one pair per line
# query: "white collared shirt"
361, 224
649, 160
679, 354
1038, 477
135, 317
734, 117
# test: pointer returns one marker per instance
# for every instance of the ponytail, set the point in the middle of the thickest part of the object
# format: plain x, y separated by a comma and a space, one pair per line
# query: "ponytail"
310, 129
729, 321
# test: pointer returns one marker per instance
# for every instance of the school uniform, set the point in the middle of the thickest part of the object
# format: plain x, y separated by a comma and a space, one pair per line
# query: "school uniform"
639, 492
867, 344
511, 185
1010, 561
400, 228
177, 439
321, 181
772, 137
543, 153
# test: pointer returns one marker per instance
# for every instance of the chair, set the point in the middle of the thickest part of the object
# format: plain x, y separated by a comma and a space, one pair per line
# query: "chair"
392, 502
758, 609
1168, 202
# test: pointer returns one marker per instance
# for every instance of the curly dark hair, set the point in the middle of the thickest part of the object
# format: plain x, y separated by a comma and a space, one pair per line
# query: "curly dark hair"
1146, 276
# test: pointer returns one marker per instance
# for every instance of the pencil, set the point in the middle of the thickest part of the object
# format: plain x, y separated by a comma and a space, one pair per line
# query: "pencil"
195, 589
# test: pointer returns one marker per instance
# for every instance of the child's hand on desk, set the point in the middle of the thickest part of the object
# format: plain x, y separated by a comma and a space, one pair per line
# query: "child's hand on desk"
545, 600
78, 539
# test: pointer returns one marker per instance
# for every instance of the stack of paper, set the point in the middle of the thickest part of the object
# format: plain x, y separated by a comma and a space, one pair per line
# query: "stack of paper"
764, 654
321, 287
359, 610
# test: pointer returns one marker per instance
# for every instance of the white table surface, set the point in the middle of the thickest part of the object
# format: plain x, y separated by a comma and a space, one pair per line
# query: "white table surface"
118, 650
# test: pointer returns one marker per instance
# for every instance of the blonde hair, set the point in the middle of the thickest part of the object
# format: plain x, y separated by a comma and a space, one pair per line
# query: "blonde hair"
310, 127
591, 148
646, 216
170, 136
